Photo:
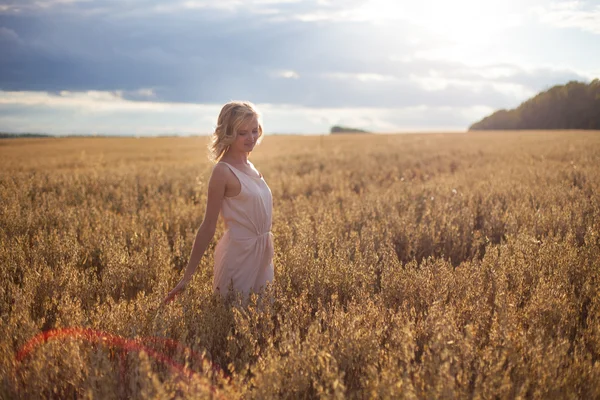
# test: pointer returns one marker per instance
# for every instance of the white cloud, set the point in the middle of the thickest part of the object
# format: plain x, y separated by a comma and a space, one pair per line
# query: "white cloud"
260, 7
57, 3
497, 71
286, 74
514, 90
361, 77
88, 112
91, 101
147, 93
188, 5
9, 35
475, 80
571, 14
20, 6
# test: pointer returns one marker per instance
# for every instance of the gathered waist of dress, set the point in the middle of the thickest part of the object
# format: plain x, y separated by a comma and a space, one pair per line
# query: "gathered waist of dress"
240, 232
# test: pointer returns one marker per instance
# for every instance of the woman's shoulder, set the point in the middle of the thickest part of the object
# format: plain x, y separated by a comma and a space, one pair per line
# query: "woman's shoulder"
222, 170
220, 166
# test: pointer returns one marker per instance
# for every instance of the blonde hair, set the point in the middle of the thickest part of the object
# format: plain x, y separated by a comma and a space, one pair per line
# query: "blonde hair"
232, 115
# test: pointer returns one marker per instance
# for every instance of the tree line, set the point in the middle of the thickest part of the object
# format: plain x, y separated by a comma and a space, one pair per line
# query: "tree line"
345, 129
575, 105
6, 135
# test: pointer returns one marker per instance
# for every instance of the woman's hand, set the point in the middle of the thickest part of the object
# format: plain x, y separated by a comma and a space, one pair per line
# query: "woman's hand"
216, 194
178, 288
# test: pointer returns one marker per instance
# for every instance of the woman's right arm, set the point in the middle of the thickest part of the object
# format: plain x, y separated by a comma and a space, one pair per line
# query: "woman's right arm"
216, 194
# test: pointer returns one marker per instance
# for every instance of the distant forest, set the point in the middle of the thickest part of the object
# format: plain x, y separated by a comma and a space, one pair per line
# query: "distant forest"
575, 105
345, 129
4, 135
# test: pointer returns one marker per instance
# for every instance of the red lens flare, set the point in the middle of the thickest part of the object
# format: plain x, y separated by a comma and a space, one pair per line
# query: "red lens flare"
128, 345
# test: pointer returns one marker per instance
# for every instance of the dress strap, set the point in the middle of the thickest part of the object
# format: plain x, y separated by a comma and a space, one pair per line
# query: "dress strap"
253, 167
233, 169
238, 172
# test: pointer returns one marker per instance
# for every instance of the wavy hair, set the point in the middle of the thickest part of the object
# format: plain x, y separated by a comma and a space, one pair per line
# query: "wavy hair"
232, 115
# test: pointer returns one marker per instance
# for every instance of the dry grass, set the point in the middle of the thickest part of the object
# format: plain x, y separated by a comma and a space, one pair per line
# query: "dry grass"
409, 266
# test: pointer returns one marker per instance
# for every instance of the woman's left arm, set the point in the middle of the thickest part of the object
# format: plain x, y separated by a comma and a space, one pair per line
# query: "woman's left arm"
216, 193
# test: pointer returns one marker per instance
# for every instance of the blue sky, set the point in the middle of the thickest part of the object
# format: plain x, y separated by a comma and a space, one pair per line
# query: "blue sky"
148, 67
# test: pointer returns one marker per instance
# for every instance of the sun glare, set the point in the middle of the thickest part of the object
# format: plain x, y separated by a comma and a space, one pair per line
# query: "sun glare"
470, 32
459, 21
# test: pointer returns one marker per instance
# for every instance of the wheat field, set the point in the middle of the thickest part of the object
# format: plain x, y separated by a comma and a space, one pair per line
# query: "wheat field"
406, 266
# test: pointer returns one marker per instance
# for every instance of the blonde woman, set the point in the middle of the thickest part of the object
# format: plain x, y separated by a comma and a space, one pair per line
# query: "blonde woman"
236, 190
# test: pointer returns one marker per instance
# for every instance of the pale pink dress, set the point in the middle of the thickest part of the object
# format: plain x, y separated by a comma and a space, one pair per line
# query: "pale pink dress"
244, 255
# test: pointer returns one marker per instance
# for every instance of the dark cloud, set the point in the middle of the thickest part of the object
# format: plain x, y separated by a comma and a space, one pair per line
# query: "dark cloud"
211, 55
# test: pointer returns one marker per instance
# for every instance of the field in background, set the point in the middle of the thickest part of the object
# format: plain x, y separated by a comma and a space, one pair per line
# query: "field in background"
408, 266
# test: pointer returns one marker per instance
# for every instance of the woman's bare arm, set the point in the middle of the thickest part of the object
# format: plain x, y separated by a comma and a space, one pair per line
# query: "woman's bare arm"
216, 193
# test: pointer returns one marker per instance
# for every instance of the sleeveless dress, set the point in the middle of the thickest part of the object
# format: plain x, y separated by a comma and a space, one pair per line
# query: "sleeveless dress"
244, 255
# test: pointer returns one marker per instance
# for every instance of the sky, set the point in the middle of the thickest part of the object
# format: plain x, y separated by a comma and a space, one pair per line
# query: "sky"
149, 67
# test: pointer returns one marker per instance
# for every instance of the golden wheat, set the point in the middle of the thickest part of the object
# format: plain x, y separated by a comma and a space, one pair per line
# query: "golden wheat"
407, 266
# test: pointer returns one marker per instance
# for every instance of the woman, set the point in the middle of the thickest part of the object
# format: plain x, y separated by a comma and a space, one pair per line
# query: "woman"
244, 255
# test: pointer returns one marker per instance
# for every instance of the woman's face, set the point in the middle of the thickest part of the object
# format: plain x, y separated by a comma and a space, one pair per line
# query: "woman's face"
247, 135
